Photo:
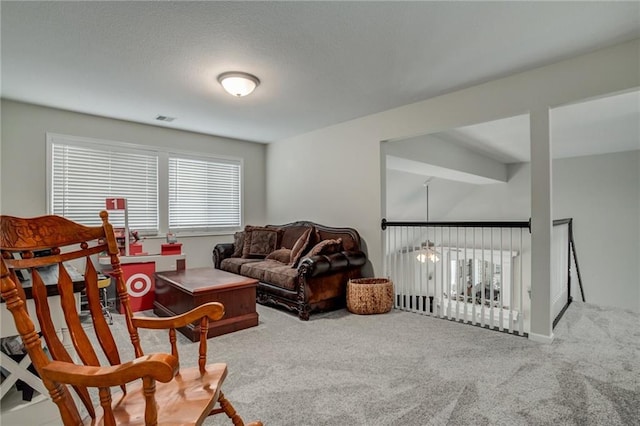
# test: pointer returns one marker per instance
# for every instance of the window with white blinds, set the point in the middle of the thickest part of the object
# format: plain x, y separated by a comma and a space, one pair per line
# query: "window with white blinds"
204, 193
83, 174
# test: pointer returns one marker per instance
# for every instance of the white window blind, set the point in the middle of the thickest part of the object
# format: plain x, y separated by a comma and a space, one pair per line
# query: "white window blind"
83, 175
204, 194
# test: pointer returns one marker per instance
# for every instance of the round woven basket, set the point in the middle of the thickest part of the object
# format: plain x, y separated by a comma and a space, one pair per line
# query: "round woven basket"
369, 295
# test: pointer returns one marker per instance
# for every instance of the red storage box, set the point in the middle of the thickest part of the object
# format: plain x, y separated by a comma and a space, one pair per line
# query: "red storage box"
175, 248
140, 281
135, 249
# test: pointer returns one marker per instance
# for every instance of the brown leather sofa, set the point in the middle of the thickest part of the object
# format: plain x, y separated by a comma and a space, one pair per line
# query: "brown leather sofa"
317, 283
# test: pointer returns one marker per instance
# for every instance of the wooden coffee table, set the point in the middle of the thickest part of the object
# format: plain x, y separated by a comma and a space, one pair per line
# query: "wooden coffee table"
180, 291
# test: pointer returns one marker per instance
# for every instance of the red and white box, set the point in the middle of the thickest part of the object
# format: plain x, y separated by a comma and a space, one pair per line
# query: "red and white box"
135, 249
173, 248
140, 282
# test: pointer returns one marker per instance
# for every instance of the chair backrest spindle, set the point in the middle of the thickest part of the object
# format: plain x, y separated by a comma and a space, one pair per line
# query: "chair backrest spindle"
44, 246
120, 285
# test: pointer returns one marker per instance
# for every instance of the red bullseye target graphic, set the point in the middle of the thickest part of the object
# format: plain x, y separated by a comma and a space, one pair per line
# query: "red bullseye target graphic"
138, 285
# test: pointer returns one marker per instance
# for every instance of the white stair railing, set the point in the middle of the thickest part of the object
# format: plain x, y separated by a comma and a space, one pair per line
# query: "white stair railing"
471, 272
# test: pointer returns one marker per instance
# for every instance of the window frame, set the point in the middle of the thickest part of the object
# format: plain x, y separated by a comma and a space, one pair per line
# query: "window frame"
210, 158
163, 178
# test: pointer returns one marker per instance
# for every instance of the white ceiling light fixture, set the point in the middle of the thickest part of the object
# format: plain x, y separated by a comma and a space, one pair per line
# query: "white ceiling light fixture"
238, 83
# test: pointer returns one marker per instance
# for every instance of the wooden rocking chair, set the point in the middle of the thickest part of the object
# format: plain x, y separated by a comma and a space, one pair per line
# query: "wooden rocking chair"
154, 389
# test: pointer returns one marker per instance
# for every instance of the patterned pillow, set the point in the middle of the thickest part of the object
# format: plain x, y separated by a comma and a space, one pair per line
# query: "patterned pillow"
326, 247
259, 241
238, 244
300, 247
282, 255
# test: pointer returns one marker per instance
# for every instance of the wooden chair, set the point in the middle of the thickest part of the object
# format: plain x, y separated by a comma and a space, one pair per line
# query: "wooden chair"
153, 389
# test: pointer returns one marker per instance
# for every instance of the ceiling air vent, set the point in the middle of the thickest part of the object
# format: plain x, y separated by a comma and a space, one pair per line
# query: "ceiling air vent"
165, 118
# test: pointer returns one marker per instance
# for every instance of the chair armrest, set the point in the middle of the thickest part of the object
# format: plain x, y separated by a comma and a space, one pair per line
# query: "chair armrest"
220, 252
161, 367
327, 264
213, 310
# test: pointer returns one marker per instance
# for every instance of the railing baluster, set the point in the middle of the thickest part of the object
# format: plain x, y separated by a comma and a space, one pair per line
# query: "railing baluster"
424, 275
436, 276
401, 269
483, 281
418, 281
446, 293
522, 290
396, 275
457, 277
445, 274
396, 261
411, 272
386, 254
465, 283
426, 263
501, 313
406, 294
492, 296
474, 280
511, 281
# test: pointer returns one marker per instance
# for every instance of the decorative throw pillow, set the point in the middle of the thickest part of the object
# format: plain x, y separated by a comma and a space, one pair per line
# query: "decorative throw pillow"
238, 244
259, 241
300, 247
326, 247
282, 255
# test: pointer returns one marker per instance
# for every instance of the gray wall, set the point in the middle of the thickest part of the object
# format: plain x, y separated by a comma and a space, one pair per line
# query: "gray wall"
600, 192
335, 174
407, 197
441, 153
23, 156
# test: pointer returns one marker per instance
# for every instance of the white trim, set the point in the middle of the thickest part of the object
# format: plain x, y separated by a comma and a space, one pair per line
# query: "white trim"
81, 140
49, 172
185, 234
197, 155
540, 338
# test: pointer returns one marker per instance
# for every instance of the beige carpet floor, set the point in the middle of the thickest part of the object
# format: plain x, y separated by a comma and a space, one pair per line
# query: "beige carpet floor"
405, 369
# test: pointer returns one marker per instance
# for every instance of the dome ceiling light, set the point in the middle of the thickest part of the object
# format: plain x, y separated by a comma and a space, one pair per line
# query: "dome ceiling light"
238, 83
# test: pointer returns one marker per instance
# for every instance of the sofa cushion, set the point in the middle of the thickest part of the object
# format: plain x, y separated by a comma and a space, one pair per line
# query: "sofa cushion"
259, 241
233, 264
301, 247
282, 276
326, 247
282, 255
290, 234
348, 241
257, 269
238, 244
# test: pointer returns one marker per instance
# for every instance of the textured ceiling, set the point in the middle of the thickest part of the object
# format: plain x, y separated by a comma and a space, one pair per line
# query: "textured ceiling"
320, 63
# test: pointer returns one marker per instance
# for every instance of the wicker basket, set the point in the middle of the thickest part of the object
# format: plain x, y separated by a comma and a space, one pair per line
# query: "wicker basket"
369, 295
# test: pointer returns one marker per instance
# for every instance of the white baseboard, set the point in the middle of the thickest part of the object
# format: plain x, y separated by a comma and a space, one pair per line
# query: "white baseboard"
541, 338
